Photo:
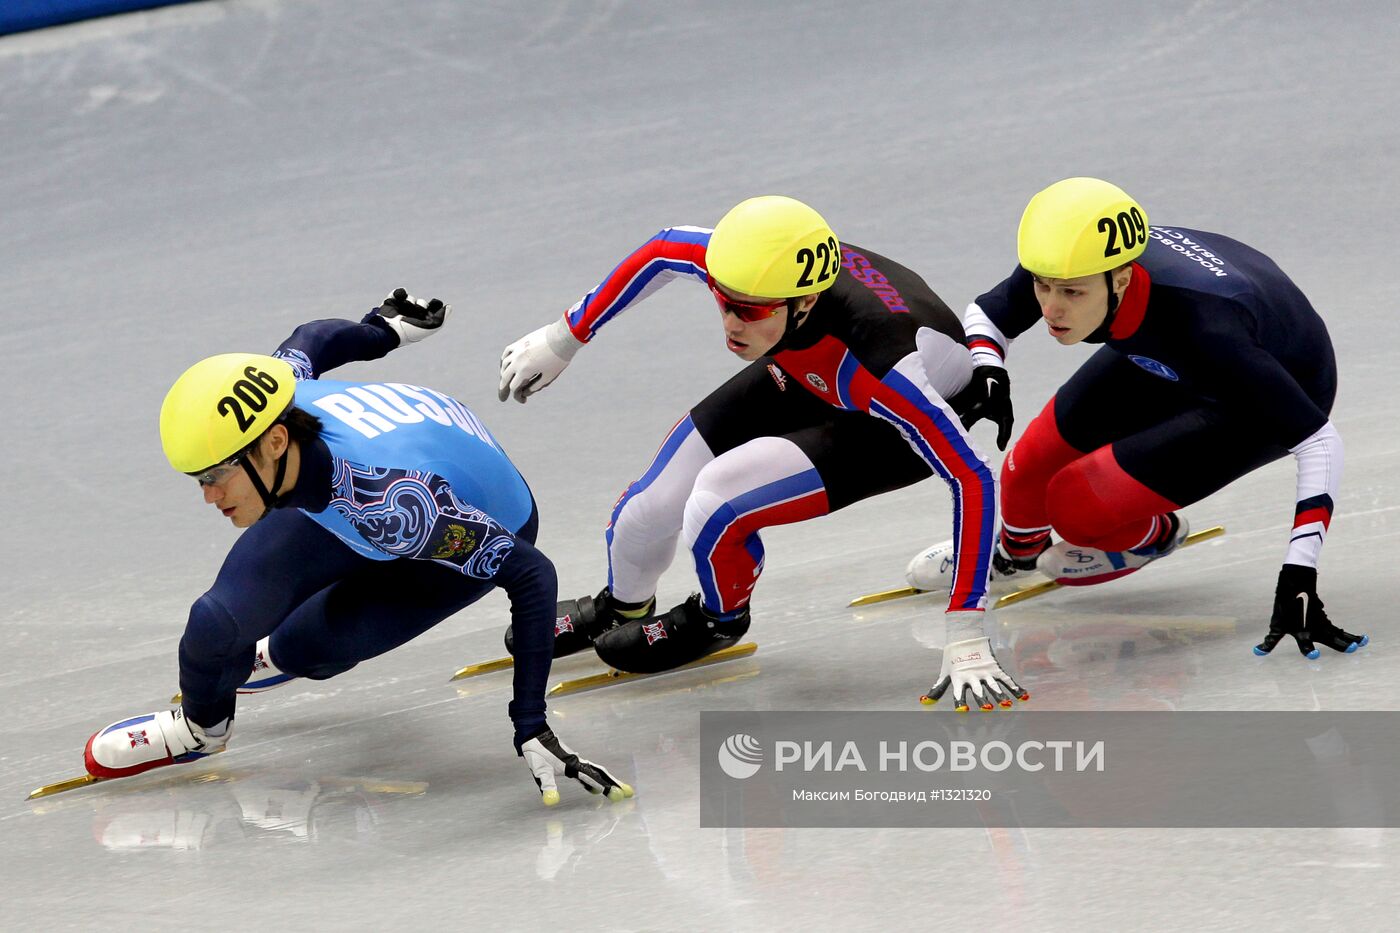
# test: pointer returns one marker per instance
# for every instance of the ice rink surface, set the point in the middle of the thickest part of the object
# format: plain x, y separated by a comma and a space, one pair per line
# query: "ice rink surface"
202, 179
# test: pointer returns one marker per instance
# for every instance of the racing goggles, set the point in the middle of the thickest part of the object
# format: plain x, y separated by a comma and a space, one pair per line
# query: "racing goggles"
220, 473
745, 311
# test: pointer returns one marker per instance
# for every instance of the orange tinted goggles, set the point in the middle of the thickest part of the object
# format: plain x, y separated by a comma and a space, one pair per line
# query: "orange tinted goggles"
746, 311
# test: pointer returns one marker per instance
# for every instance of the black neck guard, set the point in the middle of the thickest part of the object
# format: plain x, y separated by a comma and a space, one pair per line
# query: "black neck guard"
790, 339
1101, 333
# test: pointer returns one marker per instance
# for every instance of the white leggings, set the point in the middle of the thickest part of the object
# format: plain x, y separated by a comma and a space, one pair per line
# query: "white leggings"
718, 504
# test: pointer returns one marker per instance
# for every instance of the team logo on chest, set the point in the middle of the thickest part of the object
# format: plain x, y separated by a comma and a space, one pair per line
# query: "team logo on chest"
817, 382
1155, 368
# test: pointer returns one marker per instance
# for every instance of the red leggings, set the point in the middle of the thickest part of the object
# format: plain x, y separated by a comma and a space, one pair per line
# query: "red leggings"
1087, 498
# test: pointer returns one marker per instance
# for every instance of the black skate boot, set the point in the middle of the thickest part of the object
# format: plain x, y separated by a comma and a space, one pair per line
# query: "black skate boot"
578, 621
687, 633
1004, 566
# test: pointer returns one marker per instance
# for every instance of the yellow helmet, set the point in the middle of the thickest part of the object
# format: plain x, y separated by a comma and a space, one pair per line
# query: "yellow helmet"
220, 405
1078, 227
773, 247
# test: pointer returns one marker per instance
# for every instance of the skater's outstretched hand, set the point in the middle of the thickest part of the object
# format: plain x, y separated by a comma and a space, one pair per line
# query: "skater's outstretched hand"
1298, 612
971, 674
547, 756
536, 360
411, 318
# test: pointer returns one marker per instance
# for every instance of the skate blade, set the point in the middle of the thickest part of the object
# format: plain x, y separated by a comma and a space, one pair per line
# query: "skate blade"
904, 592
609, 677
48, 790
1026, 592
885, 596
485, 667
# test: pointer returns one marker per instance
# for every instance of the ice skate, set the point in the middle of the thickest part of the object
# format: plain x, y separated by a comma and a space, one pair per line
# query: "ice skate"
266, 675
1070, 565
932, 570
152, 741
687, 633
577, 622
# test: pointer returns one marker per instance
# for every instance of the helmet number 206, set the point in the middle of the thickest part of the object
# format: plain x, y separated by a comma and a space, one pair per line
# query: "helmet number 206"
251, 392
1128, 223
830, 256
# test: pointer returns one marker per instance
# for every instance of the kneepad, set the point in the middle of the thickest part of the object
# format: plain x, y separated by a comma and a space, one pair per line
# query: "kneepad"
211, 631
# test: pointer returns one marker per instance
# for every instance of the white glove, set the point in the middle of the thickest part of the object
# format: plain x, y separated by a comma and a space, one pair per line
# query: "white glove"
413, 318
970, 667
536, 360
547, 756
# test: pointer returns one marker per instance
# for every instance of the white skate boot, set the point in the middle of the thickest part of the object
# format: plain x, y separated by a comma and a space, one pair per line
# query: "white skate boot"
265, 674
1070, 565
151, 741
932, 570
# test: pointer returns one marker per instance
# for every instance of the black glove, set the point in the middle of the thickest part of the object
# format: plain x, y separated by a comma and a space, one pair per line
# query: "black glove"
992, 386
1298, 612
412, 318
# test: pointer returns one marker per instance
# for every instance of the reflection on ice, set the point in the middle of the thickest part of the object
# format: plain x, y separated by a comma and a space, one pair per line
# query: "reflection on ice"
245, 808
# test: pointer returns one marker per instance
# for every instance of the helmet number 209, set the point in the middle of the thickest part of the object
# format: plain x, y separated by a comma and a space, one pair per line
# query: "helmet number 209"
828, 253
1129, 224
251, 392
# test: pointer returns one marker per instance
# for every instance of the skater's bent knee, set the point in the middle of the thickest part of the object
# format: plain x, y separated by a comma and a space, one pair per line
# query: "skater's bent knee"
702, 506
211, 631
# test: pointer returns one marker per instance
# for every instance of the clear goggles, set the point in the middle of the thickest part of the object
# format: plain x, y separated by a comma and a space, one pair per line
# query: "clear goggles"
219, 474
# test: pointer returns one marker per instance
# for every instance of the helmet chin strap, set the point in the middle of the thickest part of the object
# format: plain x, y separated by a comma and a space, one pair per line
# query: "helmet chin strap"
269, 499
1101, 333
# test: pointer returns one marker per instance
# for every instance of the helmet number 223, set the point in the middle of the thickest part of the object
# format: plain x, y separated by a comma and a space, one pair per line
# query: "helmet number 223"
830, 256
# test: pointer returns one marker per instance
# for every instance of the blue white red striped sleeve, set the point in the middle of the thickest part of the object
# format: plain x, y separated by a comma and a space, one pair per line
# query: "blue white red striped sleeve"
673, 252
905, 399
988, 344
1319, 461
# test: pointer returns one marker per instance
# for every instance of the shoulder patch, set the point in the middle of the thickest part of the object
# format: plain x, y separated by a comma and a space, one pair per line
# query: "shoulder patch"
1155, 368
